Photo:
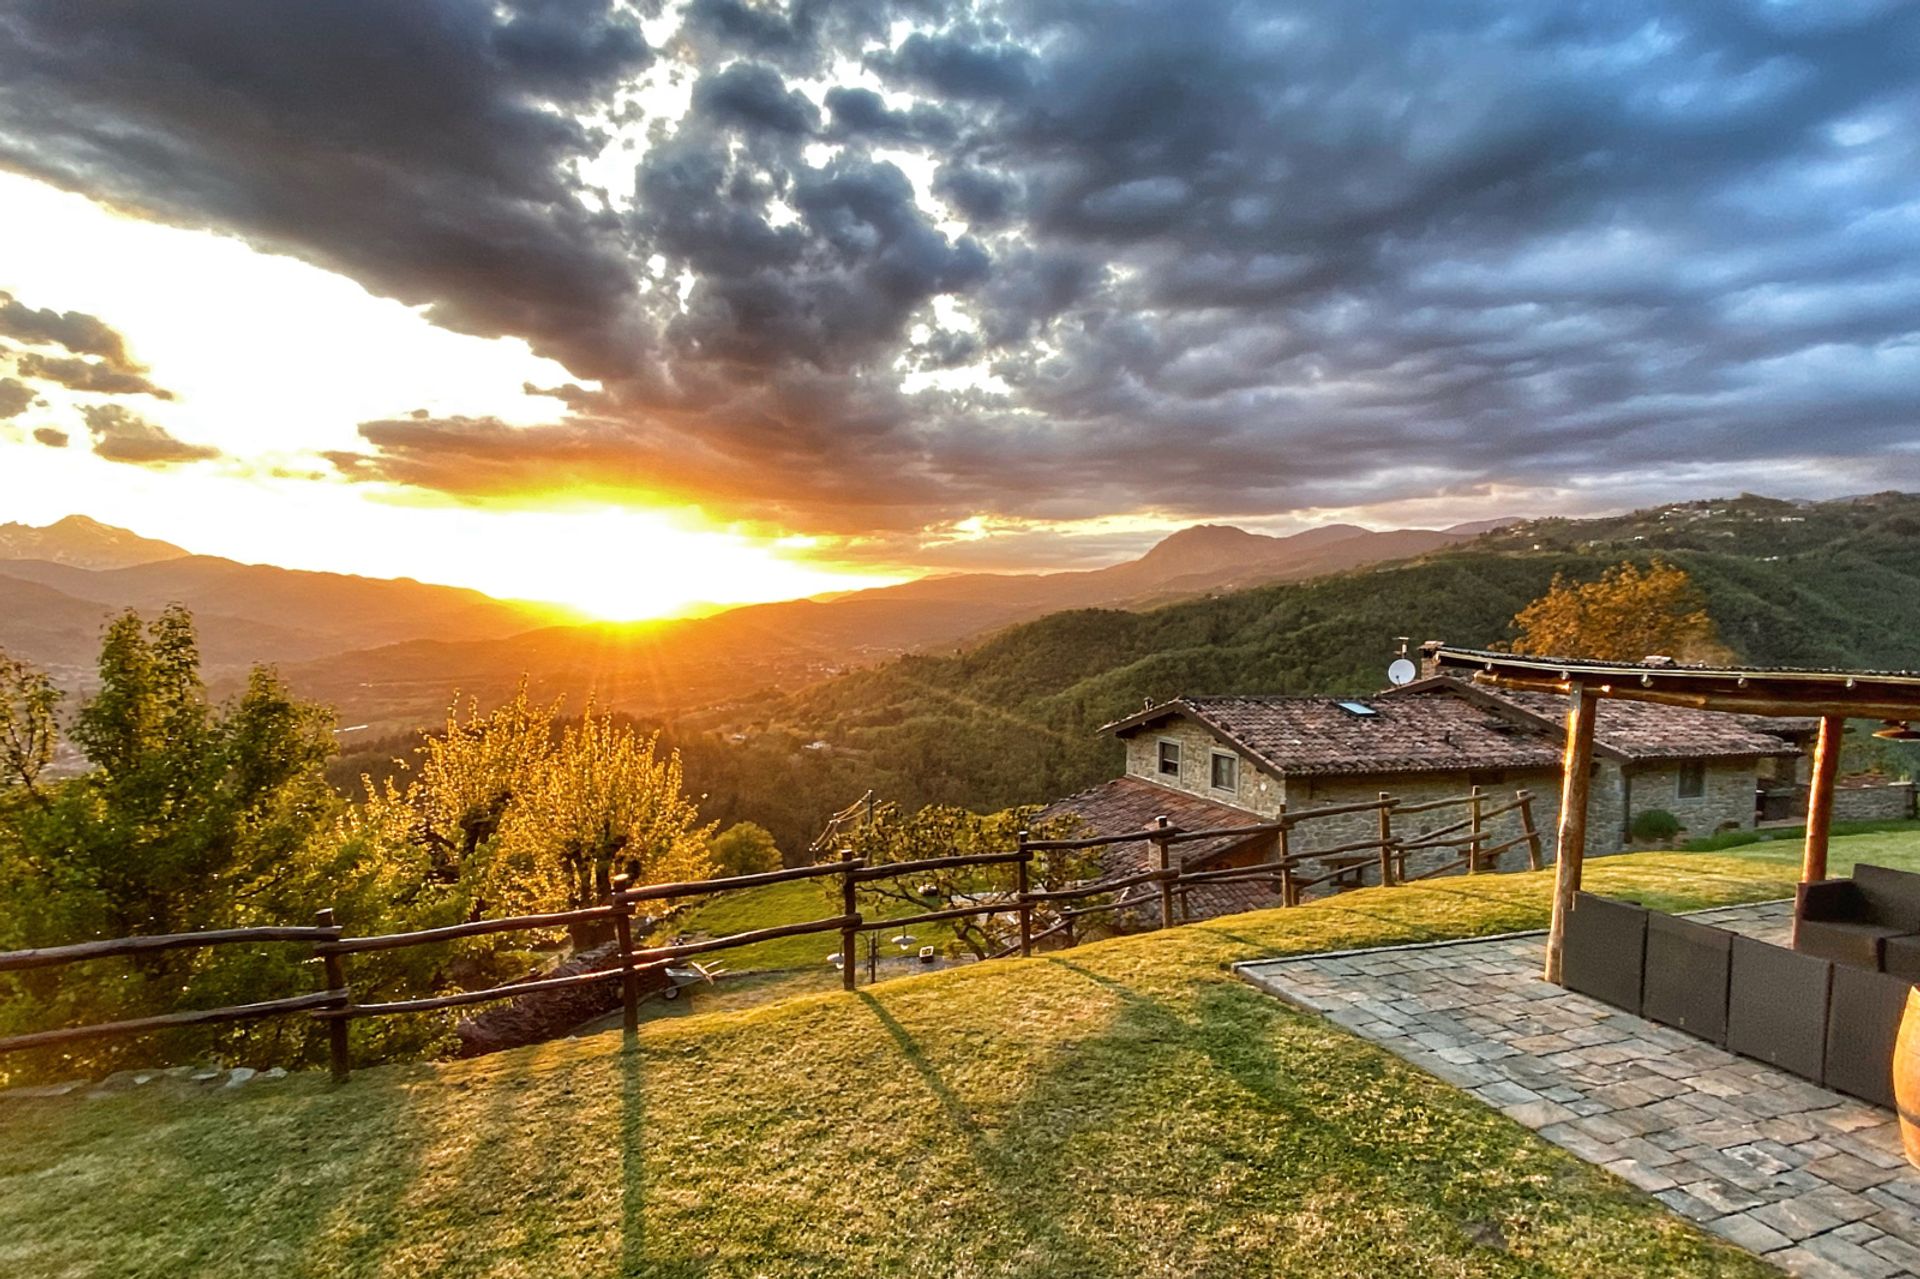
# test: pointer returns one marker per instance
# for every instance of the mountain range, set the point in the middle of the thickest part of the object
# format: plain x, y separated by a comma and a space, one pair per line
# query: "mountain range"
392, 653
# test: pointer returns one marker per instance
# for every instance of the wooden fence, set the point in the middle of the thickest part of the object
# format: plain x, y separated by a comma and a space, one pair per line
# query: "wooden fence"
1164, 885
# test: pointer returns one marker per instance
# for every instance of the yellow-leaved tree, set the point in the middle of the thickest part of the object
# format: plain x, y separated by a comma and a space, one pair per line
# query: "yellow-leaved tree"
1630, 613
605, 801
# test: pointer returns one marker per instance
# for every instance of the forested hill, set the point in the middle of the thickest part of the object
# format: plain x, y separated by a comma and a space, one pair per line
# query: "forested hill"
1014, 719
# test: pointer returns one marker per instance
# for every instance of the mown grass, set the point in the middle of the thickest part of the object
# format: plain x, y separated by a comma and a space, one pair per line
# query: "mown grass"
1785, 838
1127, 1108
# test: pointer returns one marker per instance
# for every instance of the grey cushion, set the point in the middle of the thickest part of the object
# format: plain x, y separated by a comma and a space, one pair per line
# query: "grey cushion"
1686, 978
1862, 1024
1777, 1006
1605, 950
1844, 941
1900, 957
1892, 896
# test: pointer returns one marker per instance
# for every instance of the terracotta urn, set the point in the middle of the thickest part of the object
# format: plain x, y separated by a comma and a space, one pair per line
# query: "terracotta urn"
1906, 1077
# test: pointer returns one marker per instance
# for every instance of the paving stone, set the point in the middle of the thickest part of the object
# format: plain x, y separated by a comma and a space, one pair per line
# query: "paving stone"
1647, 1179
1848, 1171
1815, 1181
1749, 1232
1851, 1257
1796, 1218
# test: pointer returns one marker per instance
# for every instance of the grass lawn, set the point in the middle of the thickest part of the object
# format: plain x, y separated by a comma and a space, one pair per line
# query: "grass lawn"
1127, 1108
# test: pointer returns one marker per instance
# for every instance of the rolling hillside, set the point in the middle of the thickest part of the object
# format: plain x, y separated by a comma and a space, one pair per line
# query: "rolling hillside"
1013, 720
668, 668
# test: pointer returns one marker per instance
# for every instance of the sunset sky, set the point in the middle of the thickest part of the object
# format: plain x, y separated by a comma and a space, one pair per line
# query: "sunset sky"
632, 306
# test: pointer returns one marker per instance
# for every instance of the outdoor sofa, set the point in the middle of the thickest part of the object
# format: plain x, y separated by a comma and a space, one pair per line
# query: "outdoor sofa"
1870, 921
1831, 1022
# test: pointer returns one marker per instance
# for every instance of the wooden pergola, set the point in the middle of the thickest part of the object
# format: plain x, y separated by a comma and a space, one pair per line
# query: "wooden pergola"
1833, 696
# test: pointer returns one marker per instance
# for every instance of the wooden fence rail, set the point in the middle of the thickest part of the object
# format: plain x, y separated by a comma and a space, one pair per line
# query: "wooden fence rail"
333, 1003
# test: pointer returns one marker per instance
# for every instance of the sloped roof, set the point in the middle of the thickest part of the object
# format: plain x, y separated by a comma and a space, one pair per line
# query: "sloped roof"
1643, 730
1132, 803
1446, 725
1311, 736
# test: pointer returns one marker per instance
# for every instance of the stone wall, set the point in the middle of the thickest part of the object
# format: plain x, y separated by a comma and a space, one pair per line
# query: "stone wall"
1888, 801
1727, 802
1319, 792
1256, 791
1614, 796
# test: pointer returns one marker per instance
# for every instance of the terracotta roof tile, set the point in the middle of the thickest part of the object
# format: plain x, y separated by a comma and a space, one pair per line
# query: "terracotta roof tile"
1132, 803
1445, 725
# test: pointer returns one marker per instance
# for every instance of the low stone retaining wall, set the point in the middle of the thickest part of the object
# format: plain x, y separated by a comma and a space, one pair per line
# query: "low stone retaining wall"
1873, 802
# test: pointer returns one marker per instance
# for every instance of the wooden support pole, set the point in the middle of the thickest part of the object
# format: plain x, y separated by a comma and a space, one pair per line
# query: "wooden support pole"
1576, 773
850, 934
1020, 887
1387, 877
1535, 855
333, 970
1163, 860
629, 979
1826, 767
1473, 831
1289, 891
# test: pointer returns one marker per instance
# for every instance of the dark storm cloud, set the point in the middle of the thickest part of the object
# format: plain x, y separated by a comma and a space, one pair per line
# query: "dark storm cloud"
96, 376
15, 396
1211, 257
424, 148
77, 331
121, 435
52, 437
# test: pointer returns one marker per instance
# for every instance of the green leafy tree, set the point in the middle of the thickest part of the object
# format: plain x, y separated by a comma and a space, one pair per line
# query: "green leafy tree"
744, 848
192, 816
941, 830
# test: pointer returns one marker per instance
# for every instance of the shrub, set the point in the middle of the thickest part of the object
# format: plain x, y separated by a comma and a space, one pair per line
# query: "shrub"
1653, 825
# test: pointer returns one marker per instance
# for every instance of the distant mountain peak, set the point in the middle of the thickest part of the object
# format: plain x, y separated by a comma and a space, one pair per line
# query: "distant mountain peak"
81, 541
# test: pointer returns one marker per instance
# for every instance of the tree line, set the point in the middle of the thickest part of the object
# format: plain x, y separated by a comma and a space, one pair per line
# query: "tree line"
192, 815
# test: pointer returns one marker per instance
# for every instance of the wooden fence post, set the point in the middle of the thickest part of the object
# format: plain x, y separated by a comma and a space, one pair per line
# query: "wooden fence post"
1163, 861
1473, 830
1020, 887
334, 974
1387, 877
1289, 891
1534, 857
850, 933
629, 979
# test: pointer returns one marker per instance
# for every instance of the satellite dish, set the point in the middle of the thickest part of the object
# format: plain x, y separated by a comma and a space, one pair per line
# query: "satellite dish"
1401, 672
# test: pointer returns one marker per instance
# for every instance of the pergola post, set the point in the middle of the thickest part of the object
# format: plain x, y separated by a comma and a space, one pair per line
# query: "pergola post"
1575, 781
1826, 766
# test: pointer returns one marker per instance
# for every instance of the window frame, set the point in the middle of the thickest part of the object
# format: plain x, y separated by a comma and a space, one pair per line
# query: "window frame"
1233, 771
1696, 768
1161, 747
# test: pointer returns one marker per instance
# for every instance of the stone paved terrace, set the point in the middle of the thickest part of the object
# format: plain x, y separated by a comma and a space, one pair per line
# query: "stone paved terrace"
1812, 1180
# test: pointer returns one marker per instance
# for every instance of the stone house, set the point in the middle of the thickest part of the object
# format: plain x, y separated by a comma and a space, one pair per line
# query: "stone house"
1245, 757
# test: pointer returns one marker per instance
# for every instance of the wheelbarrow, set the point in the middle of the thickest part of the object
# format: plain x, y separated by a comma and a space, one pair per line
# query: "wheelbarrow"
681, 976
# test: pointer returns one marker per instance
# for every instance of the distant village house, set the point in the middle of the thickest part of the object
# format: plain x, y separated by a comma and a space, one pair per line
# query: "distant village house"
1207, 762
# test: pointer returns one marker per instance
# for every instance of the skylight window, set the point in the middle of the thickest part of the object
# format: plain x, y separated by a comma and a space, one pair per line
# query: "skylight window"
1360, 709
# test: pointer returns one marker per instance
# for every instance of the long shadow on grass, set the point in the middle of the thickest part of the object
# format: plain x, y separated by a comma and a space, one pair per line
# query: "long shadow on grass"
633, 1160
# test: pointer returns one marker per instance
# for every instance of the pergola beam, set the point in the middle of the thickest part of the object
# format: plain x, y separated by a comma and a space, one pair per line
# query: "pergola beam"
1832, 696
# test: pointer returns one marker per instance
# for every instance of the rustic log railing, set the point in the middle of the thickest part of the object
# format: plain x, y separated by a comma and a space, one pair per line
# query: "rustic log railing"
1165, 882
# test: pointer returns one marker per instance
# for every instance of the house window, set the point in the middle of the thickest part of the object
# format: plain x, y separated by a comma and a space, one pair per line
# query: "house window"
1693, 779
1170, 759
1226, 772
